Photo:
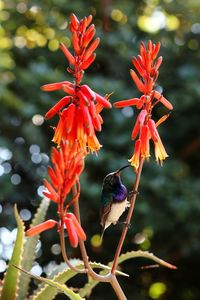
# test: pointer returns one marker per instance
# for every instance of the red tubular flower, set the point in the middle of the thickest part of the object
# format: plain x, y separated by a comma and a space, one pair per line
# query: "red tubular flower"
135, 159
147, 65
73, 236
67, 166
41, 227
74, 229
145, 141
78, 117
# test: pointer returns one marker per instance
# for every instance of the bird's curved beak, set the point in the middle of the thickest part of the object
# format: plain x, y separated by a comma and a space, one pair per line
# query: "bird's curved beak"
122, 168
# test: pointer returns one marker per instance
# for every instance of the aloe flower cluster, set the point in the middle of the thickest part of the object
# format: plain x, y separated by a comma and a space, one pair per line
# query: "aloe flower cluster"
78, 116
145, 129
75, 134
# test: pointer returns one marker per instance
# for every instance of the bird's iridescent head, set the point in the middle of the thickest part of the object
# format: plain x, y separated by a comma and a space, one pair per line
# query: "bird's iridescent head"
113, 179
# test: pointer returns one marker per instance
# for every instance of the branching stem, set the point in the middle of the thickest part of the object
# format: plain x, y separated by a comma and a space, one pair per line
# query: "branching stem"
128, 218
111, 278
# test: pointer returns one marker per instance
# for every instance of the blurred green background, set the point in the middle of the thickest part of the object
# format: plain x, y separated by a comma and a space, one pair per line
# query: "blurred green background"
167, 213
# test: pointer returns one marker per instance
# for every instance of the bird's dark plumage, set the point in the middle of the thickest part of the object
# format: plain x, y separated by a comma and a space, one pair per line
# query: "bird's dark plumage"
113, 192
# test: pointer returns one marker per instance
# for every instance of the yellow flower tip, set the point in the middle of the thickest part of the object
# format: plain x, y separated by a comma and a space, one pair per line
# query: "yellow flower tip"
134, 162
160, 152
93, 144
146, 156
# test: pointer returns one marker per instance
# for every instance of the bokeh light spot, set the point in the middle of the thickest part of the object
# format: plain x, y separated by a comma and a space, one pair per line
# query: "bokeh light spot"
25, 214
3, 265
157, 289
21, 7
49, 32
15, 179
117, 15
1, 170
7, 167
139, 238
55, 249
96, 240
40, 190
5, 154
36, 270
53, 45
127, 112
36, 158
38, 120
19, 41
145, 245
172, 23
34, 149
152, 23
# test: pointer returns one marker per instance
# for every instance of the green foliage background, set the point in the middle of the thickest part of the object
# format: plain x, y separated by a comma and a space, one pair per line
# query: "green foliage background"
167, 211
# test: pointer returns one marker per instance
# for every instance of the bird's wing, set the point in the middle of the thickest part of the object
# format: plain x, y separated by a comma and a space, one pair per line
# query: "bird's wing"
104, 211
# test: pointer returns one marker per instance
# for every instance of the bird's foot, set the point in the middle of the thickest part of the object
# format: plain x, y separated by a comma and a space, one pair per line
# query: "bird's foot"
131, 193
128, 225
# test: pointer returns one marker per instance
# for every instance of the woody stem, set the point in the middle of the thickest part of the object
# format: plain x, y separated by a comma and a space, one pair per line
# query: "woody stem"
62, 241
128, 218
111, 278
64, 253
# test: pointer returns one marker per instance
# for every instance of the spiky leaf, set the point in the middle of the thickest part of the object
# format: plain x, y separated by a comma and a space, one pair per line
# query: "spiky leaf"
10, 286
89, 286
30, 249
58, 287
47, 292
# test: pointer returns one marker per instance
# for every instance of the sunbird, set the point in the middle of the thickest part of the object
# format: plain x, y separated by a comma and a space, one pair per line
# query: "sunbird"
113, 199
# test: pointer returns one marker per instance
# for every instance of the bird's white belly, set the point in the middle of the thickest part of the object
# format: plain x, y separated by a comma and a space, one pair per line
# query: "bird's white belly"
116, 211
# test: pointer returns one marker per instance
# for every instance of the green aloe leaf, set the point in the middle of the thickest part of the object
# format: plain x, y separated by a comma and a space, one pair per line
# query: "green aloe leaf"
89, 286
10, 287
47, 292
30, 249
145, 254
58, 287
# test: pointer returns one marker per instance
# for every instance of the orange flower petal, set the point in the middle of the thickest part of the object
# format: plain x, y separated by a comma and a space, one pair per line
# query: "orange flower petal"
97, 124
63, 102
145, 141
160, 152
84, 99
53, 177
162, 119
158, 63
69, 89
91, 49
137, 81
69, 114
163, 100
79, 230
51, 190
74, 21
68, 55
89, 19
103, 101
50, 87
88, 36
75, 42
86, 90
129, 102
73, 237
138, 66
153, 130
88, 126
135, 159
88, 62
156, 50
41, 227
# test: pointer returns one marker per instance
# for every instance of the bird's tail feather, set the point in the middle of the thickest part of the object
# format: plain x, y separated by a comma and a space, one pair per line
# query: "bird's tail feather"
102, 233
